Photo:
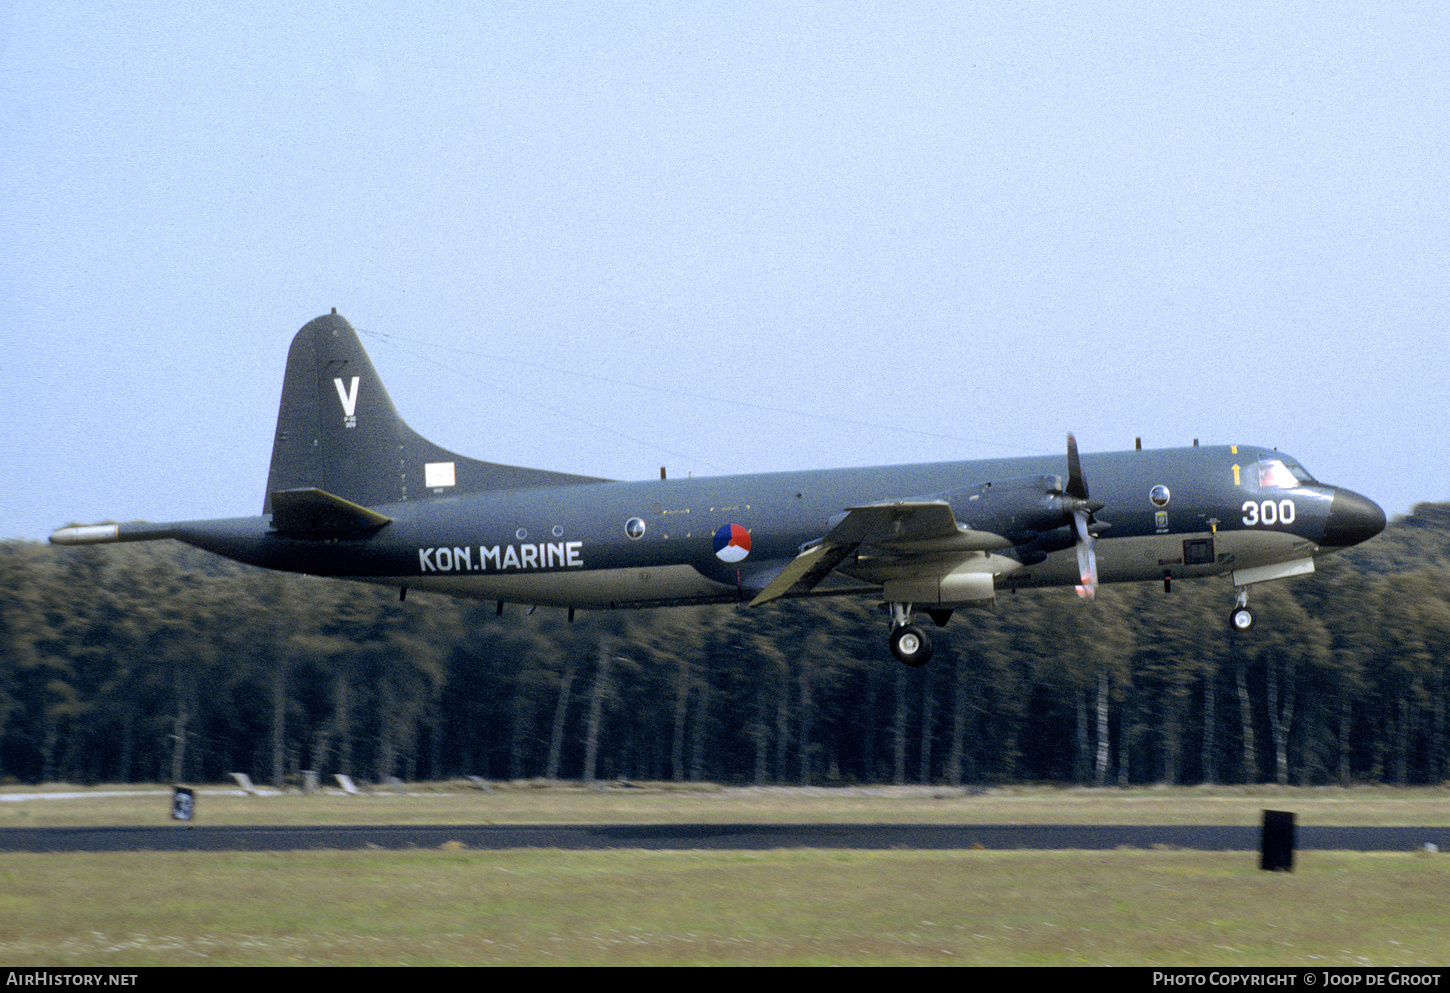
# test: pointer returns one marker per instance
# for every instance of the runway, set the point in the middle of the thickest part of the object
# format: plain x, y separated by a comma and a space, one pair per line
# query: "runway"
680, 837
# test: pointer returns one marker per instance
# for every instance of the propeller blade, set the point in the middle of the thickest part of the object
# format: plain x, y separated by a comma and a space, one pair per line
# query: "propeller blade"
1076, 482
1082, 519
1087, 557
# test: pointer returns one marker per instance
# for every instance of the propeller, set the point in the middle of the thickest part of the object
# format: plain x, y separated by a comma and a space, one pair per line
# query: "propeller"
1075, 500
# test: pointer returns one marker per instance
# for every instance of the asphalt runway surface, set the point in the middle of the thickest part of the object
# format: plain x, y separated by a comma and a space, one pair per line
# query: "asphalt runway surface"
183, 837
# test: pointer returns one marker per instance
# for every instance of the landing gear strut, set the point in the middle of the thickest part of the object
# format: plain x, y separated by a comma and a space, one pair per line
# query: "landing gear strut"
909, 643
1241, 618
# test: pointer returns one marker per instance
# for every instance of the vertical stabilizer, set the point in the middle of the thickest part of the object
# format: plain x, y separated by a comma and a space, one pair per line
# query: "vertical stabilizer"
337, 431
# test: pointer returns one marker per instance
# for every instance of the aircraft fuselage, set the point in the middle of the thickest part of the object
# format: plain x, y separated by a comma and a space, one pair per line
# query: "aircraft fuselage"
572, 545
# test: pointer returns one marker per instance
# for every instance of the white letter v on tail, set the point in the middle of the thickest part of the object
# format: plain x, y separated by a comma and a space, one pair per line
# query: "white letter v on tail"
348, 397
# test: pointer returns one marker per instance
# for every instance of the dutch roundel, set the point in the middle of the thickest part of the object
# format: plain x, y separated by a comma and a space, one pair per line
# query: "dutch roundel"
732, 543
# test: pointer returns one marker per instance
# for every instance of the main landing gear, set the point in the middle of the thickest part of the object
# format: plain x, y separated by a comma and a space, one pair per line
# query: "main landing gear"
1241, 618
909, 643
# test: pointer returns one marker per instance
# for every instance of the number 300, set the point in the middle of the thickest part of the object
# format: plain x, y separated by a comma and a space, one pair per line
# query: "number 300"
1268, 512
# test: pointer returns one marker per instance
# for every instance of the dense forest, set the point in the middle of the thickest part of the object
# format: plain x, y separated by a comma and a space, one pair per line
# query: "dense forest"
155, 662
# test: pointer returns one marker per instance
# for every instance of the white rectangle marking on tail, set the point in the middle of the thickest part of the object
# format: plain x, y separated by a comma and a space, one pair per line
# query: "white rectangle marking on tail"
437, 474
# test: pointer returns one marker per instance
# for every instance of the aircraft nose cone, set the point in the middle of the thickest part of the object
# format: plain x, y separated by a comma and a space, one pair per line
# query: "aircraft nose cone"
1352, 519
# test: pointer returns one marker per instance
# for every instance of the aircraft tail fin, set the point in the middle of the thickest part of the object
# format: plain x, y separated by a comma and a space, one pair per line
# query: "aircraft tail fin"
338, 432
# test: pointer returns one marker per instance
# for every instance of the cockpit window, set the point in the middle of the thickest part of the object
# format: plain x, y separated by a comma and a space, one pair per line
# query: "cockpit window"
1281, 474
1300, 473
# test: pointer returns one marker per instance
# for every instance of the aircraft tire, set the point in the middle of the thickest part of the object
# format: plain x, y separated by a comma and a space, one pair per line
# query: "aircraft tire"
911, 646
1241, 620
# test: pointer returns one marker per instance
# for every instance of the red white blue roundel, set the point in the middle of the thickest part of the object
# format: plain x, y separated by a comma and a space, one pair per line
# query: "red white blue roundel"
732, 543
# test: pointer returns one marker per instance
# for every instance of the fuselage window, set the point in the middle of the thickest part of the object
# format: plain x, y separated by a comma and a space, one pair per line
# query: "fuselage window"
634, 527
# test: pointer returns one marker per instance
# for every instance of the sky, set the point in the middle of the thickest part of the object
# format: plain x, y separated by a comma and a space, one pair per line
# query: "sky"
722, 238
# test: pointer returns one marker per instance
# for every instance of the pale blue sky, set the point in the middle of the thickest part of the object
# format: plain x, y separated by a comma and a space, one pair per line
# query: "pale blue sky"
600, 238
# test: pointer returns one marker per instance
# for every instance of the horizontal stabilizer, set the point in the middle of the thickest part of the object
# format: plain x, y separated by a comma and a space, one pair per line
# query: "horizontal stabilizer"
319, 512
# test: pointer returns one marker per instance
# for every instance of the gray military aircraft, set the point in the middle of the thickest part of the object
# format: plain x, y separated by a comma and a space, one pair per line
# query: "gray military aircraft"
355, 493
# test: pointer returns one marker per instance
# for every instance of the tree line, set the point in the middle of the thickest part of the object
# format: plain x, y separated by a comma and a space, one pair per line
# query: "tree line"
156, 662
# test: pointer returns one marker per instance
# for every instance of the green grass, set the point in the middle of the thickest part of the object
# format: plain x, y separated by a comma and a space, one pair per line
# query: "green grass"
456, 905
785, 907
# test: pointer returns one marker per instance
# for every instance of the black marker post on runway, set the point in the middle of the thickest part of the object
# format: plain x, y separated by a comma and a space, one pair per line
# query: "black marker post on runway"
1276, 849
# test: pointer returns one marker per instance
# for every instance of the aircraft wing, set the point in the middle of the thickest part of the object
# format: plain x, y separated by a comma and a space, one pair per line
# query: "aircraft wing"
900, 520
898, 526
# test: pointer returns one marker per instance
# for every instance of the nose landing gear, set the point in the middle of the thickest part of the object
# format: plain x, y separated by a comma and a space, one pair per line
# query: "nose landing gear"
1241, 618
909, 643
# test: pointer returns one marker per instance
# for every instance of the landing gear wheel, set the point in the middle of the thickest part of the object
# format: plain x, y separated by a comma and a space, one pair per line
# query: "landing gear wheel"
1241, 619
910, 645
